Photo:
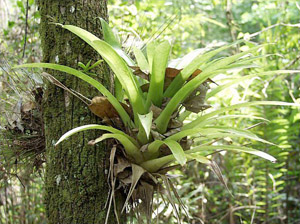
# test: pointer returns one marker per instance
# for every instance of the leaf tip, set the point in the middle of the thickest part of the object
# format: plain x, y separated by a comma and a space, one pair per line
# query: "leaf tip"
274, 160
92, 142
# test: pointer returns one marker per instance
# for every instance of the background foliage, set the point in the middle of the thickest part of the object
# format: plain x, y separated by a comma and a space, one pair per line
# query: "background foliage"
262, 192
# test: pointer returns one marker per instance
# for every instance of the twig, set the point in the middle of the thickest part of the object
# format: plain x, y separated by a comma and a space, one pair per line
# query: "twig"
286, 67
231, 23
26, 28
248, 37
253, 126
292, 62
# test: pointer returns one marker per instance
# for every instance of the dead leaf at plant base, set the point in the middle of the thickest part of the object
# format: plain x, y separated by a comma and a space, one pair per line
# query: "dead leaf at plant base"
196, 102
101, 107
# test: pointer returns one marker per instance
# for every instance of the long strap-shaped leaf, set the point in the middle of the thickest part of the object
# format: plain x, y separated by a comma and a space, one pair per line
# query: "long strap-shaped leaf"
118, 66
130, 149
233, 148
156, 164
116, 104
124, 75
165, 116
93, 127
141, 59
110, 38
191, 67
212, 70
228, 60
198, 121
160, 60
150, 53
215, 132
174, 146
207, 133
243, 78
163, 119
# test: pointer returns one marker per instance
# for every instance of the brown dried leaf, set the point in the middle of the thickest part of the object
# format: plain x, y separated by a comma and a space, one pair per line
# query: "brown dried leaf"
167, 82
156, 111
181, 204
196, 103
216, 169
101, 107
156, 135
145, 87
186, 143
146, 192
28, 106
139, 72
111, 163
54, 81
172, 132
169, 196
174, 123
137, 173
195, 73
121, 165
172, 72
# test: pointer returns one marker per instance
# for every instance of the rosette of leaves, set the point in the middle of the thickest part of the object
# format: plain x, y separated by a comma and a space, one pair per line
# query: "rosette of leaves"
144, 119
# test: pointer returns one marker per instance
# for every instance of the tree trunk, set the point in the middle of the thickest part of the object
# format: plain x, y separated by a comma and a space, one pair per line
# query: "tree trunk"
76, 186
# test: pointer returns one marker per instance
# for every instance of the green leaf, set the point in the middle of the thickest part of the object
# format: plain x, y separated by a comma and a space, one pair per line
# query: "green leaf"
191, 67
185, 60
175, 148
212, 70
241, 79
155, 164
150, 53
198, 122
228, 60
233, 132
213, 119
177, 151
198, 158
160, 60
116, 104
164, 118
130, 148
110, 38
96, 64
119, 93
118, 66
108, 34
123, 74
146, 121
93, 127
216, 132
141, 59
83, 34
80, 64
233, 148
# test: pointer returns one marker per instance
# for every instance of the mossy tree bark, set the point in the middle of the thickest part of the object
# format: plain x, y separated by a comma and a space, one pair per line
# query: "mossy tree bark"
76, 186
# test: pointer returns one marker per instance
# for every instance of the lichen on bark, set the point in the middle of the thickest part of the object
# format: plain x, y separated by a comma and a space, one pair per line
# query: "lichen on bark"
75, 183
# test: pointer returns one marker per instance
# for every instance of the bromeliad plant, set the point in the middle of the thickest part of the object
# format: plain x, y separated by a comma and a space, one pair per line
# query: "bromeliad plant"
145, 115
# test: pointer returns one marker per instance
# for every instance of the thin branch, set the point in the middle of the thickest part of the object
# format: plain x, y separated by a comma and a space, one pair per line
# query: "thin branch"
292, 62
26, 29
248, 37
